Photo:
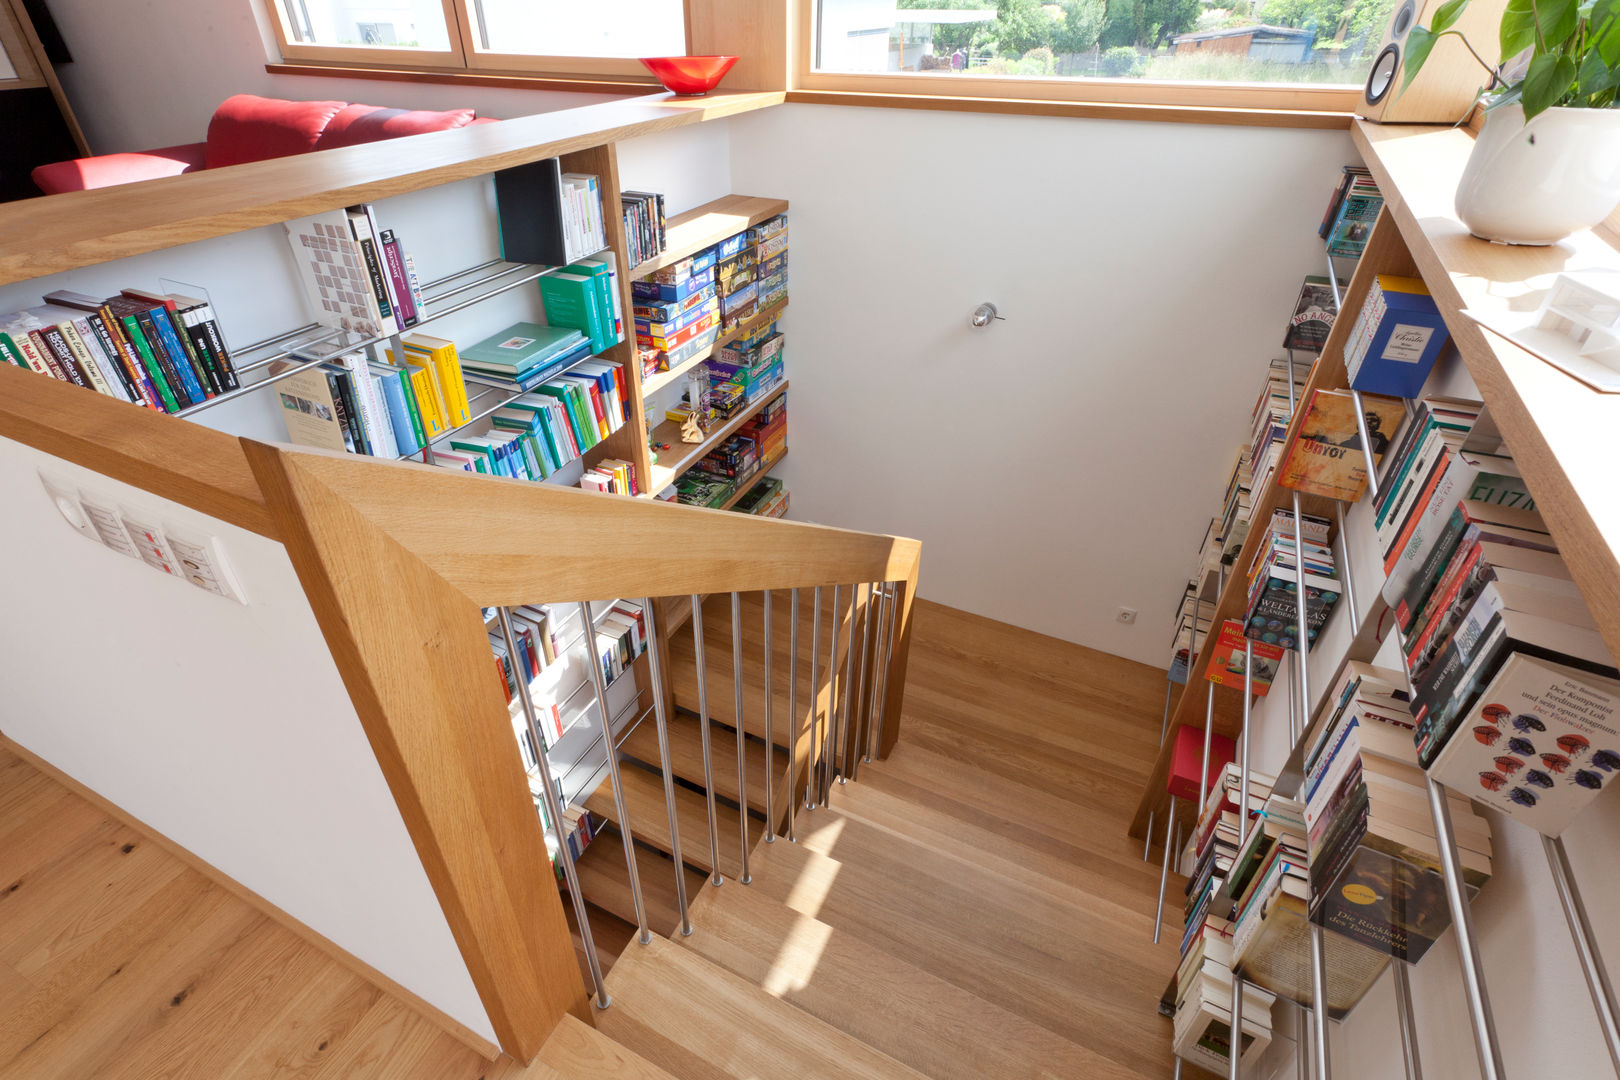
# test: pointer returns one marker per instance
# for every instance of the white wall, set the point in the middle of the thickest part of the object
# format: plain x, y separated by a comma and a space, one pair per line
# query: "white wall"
1063, 463
225, 727
149, 73
1544, 1017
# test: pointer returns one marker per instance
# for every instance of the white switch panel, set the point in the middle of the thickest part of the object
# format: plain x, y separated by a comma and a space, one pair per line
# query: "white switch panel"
140, 534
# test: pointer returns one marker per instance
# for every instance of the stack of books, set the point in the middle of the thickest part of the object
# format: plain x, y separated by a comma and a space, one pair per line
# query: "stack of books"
524, 355
749, 367
1203, 1019
1269, 420
1271, 611
1374, 860
621, 636
1237, 506
736, 279
768, 498
1350, 214
645, 235
160, 351
613, 475
677, 312
768, 429
548, 217
1396, 339
355, 274
536, 434
1191, 617
770, 241
585, 296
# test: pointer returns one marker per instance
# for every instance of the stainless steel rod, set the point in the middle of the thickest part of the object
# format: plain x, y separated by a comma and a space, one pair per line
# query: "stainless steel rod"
1366, 444
1147, 838
1234, 1046
1319, 1010
708, 751
886, 598
1345, 574
1243, 766
554, 811
846, 721
273, 339
655, 663
1209, 732
1407, 1020
1304, 636
888, 662
1164, 872
824, 779
1586, 947
1169, 692
793, 717
770, 740
619, 805
857, 732
742, 735
436, 282
1479, 1002
815, 703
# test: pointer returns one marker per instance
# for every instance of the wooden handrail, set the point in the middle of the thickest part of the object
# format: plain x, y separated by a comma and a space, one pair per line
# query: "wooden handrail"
81, 228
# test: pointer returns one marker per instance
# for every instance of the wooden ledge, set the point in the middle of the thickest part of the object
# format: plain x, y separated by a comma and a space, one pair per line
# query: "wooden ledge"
507, 80
1095, 110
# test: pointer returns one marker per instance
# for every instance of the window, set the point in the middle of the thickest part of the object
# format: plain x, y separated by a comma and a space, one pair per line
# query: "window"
586, 37
1123, 50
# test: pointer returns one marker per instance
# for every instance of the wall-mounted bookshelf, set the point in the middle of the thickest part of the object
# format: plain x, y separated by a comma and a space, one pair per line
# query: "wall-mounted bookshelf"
682, 456
651, 384
748, 481
704, 226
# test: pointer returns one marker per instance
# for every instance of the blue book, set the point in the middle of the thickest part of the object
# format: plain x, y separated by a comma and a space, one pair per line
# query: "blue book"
399, 414
177, 354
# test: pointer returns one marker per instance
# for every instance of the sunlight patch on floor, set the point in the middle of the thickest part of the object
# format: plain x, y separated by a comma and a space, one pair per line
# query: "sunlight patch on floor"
796, 960
811, 887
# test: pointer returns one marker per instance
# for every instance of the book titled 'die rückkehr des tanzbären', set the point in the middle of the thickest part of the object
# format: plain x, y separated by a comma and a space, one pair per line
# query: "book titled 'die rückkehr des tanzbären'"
1325, 455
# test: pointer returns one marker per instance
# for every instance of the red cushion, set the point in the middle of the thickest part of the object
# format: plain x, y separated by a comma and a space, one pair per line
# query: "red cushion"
368, 123
251, 128
109, 169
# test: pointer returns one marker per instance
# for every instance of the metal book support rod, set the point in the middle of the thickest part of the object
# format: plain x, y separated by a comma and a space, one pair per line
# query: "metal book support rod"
655, 662
703, 728
815, 703
742, 735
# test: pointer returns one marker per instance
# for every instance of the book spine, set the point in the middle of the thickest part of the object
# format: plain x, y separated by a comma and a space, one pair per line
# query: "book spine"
82, 359
346, 419
45, 357
8, 350
399, 414
413, 412
114, 345
56, 348
175, 369
1423, 584
32, 353
189, 327
216, 345
415, 286
171, 394
175, 324
356, 410
112, 374
378, 286
396, 277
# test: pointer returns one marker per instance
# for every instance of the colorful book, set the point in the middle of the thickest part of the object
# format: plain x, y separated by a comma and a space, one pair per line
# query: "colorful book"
1325, 455
1228, 658
1313, 316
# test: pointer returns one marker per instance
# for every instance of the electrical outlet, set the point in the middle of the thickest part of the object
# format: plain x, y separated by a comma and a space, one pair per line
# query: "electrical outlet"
1125, 615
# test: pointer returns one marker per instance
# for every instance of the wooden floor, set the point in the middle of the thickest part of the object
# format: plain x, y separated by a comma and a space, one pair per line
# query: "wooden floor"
971, 907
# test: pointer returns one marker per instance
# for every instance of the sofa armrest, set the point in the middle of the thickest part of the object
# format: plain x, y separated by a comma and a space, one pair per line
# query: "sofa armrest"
105, 170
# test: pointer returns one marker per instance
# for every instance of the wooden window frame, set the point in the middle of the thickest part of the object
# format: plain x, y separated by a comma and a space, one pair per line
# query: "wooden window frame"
463, 57
1269, 97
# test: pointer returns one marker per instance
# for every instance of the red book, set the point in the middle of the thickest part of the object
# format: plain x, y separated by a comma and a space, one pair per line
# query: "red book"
1185, 755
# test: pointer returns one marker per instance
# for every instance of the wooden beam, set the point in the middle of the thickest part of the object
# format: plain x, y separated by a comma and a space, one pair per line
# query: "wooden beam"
757, 32
414, 656
894, 690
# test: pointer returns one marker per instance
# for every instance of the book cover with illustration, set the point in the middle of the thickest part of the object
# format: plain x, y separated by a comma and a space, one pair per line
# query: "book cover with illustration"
1539, 744
1272, 617
1227, 661
1392, 905
1325, 456
1313, 317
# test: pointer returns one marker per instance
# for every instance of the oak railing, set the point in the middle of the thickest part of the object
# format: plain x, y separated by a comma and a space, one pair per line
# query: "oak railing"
397, 561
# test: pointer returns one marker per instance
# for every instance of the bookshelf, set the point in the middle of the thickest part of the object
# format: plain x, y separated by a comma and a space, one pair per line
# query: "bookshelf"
685, 455
651, 384
763, 470
705, 226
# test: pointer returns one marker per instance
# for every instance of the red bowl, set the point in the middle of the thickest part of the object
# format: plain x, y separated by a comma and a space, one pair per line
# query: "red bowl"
689, 74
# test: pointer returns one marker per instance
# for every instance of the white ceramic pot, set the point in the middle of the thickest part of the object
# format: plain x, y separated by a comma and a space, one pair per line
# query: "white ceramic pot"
1536, 183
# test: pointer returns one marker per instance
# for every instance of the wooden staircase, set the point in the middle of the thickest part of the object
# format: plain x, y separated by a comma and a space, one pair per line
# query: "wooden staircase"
919, 927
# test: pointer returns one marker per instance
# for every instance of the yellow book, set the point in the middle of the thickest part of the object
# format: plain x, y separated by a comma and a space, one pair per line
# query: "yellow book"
442, 354
430, 403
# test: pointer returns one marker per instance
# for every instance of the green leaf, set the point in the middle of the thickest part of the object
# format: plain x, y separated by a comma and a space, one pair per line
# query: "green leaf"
1545, 84
1518, 28
1509, 96
1595, 76
1419, 43
1446, 14
1604, 29
1556, 18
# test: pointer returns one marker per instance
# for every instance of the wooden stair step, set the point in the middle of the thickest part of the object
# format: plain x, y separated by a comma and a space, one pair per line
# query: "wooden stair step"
605, 881
580, 1052
649, 819
880, 999
975, 928
717, 655
686, 758
699, 1022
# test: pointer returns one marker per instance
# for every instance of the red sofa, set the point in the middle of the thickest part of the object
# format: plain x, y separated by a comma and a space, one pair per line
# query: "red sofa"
249, 128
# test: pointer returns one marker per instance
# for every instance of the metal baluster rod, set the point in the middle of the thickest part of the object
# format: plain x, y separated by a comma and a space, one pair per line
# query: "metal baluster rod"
888, 656
1164, 873
742, 736
1479, 1003
1408, 1022
846, 721
793, 715
824, 779
863, 712
770, 741
703, 728
1209, 705
886, 611
863, 742
1234, 1048
815, 704
655, 662
554, 811
1597, 975
1147, 838
1243, 767
600, 682
1319, 1010
1169, 692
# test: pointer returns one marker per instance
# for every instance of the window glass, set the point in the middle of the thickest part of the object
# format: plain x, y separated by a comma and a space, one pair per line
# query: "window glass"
1229, 41
609, 28
389, 24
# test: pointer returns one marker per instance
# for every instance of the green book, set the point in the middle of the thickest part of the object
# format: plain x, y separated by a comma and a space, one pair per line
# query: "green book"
481, 451
520, 348
548, 438
411, 408
132, 330
574, 300
8, 349
597, 271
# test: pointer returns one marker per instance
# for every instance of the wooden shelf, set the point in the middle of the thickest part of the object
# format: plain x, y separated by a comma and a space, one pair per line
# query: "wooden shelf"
665, 474
82, 228
748, 481
704, 226
658, 380
1565, 437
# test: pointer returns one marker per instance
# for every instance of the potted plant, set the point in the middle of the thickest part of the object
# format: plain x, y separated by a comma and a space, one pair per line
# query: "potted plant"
1547, 160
